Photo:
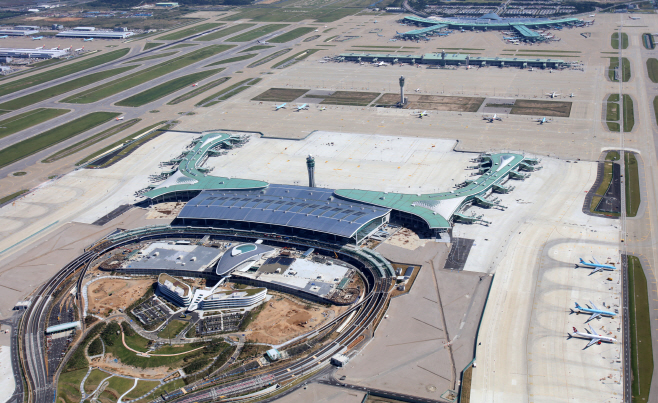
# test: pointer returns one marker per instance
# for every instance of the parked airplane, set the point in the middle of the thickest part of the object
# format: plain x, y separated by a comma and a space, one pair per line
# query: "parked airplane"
596, 266
380, 64
552, 94
572, 95
530, 69
417, 89
594, 338
592, 15
634, 18
301, 108
4, 36
323, 109
195, 84
543, 120
423, 113
57, 48
593, 312
492, 118
263, 43
282, 106
37, 38
79, 49
119, 118
88, 40
40, 47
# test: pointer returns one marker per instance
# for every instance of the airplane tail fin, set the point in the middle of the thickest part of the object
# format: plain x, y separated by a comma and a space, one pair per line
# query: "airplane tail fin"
582, 261
577, 306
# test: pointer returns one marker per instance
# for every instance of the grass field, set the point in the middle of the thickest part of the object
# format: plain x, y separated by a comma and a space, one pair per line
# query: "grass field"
12, 196
297, 57
280, 95
183, 33
350, 98
541, 108
94, 379
59, 72
198, 90
88, 142
168, 388
228, 92
28, 119
164, 89
612, 111
257, 33
633, 196
53, 136
183, 45
68, 386
652, 69
60, 89
614, 40
293, 34
156, 56
117, 386
603, 186
613, 98
224, 32
640, 324
613, 126
612, 156
172, 329
269, 58
625, 69
141, 388
116, 144
629, 116
233, 59
132, 80
255, 48
151, 45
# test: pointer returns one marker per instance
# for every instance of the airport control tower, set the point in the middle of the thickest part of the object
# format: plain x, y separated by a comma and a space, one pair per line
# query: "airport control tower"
402, 101
310, 164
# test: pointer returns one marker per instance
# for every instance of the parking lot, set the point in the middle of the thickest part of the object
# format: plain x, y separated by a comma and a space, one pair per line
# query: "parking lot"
229, 322
151, 311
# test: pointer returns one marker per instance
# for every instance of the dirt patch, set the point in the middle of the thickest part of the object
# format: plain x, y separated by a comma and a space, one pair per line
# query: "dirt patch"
109, 364
406, 238
280, 95
113, 293
353, 98
282, 319
164, 210
560, 109
435, 102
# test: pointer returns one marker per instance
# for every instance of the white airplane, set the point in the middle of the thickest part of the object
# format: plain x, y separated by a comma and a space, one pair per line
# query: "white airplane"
315, 30
417, 89
553, 94
593, 312
195, 84
301, 107
282, 106
592, 15
530, 69
634, 18
323, 109
263, 43
40, 47
4, 36
421, 114
57, 48
543, 120
380, 64
594, 338
492, 118
572, 95
79, 49
88, 40
119, 118
595, 265
37, 38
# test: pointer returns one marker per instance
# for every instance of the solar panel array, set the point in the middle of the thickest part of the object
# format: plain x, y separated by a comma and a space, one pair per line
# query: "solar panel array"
313, 209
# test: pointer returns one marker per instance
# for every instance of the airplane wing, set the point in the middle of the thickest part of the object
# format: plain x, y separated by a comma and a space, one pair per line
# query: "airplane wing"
593, 341
597, 262
594, 316
596, 270
593, 331
595, 307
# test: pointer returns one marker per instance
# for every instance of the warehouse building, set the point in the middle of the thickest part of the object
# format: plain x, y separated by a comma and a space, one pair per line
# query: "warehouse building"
95, 34
33, 53
21, 30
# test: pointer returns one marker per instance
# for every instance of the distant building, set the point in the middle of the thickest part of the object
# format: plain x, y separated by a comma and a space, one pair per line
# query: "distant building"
167, 5
62, 327
33, 53
273, 354
20, 31
233, 299
79, 33
56, 27
85, 29
394, 9
174, 290
340, 360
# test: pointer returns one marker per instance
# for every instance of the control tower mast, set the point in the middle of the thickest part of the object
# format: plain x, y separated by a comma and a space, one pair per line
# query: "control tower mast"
310, 165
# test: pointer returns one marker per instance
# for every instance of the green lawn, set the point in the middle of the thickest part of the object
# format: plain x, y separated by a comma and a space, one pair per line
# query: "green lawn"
652, 69
297, 56
172, 329
156, 56
53, 136
612, 111
233, 59
612, 156
28, 119
183, 45
226, 93
640, 324
614, 40
255, 48
625, 69
183, 33
60, 89
613, 126
94, 379
224, 32
164, 89
613, 98
633, 196
81, 145
328, 13
269, 58
12, 196
257, 33
117, 386
59, 72
290, 35
629, 117
117, 143
132, 80
198, 90
68, 386
152, 45
168, 388
141, 388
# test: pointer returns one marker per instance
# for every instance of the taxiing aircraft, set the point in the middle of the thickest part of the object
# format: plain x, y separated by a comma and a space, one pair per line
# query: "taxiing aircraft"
88, 40
423, 113
37, 38
552, 94
323, 109
593, 312
543, 120
633, 18
119, 118
4, 36
263, 43
282, 106
79, 49
417, 89
301, 107
595, 265
492, 118
594, 338
40, 47
572, 95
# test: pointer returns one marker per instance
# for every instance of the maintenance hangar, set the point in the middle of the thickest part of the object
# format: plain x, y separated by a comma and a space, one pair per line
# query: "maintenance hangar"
23, 30
33, 53
285, 210
455, 59
95, 34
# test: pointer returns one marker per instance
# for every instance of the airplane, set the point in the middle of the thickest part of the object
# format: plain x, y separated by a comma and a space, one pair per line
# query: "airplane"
262, 43
40, 47
4, 36
37, 38
57, 48
543, 120
593, 312
323, 109
421, 114
302, 107
572, 95
282, 106
88, 40
119, 118
380, 64
596, 266
79, 49
417, 89
315, 30
594, 338
492, 119
634, 18
552, 94
195, 84
592, 15
530, 69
